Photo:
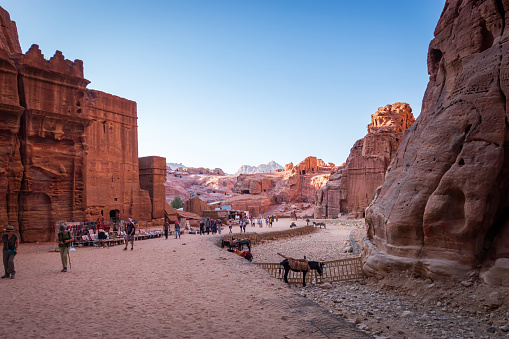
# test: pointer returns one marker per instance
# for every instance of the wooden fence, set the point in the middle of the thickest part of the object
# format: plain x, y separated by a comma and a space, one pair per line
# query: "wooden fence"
257, 238
333, 271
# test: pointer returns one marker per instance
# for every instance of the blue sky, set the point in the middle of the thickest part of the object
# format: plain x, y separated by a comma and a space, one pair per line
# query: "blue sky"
223, 83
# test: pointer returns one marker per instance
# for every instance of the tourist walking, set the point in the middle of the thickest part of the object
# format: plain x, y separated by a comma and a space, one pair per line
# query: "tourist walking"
130, 230
219, 226
11, 244
202, 227
230, 225
244, 226
177, 229
240, 225
65, 240
166, 227
214, 227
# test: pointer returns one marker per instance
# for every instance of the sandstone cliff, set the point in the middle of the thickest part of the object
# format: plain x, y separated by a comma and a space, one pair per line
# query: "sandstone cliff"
351, 187
208, 185
443, 209
296, 184
67, 153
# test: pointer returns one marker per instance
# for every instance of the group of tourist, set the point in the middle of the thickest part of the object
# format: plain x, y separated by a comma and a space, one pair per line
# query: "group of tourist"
65, 238
255, 221
10, 242
166, 228
211, 225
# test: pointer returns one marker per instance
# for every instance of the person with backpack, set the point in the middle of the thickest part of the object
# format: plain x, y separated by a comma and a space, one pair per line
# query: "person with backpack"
177, 229
130, 230
65, 240
10, 250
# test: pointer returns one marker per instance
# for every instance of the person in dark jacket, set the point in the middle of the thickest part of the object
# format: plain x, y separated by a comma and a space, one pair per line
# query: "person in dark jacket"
11, 244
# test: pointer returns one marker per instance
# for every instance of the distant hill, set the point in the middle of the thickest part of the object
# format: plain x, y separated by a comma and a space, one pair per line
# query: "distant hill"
263, 168
174, 165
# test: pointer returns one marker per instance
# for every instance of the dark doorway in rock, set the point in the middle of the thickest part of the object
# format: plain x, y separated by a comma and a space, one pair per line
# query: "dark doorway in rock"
114, 215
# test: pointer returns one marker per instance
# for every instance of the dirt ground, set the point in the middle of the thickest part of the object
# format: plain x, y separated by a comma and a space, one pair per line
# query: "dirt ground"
164, 288
400, 306
191, 288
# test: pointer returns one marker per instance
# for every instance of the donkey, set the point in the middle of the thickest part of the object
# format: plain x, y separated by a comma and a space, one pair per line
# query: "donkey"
244, 254
238, 243
311, 265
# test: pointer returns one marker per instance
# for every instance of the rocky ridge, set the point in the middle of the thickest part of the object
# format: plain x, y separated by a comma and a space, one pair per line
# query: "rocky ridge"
208, 185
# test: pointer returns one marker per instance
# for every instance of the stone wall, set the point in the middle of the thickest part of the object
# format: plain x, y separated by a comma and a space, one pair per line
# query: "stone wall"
195, 205
257, 238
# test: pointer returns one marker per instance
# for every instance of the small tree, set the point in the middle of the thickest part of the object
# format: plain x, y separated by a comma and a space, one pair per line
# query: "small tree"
177, 203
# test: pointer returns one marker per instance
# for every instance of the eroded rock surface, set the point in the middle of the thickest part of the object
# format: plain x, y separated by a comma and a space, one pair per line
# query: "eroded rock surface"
293, 186
67, 153
444, 206
351, 187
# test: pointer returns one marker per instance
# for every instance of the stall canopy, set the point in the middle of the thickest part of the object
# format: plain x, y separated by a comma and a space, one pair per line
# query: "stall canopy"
170, 213
188, 215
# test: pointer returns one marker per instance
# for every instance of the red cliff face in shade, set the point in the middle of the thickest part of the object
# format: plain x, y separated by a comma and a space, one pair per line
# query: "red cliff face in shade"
67, 153
351, 187
444, 206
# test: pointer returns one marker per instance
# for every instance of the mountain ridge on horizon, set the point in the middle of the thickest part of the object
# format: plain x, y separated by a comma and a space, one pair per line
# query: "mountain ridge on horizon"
174, 165
271, 166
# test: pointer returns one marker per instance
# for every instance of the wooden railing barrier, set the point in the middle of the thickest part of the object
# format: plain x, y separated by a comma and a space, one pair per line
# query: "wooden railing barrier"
333, 271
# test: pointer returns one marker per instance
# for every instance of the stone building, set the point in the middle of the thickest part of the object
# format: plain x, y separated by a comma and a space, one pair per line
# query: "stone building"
66, 152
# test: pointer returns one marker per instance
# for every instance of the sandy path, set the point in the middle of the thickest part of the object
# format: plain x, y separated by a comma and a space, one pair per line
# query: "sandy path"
175, 288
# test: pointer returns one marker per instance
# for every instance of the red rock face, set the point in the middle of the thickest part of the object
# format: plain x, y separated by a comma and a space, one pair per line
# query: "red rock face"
66, 153
113, 183
255, 204
296, 184
152, 179
209, 186
352, 188
8, 33
444, 205
11, 168
52, 136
